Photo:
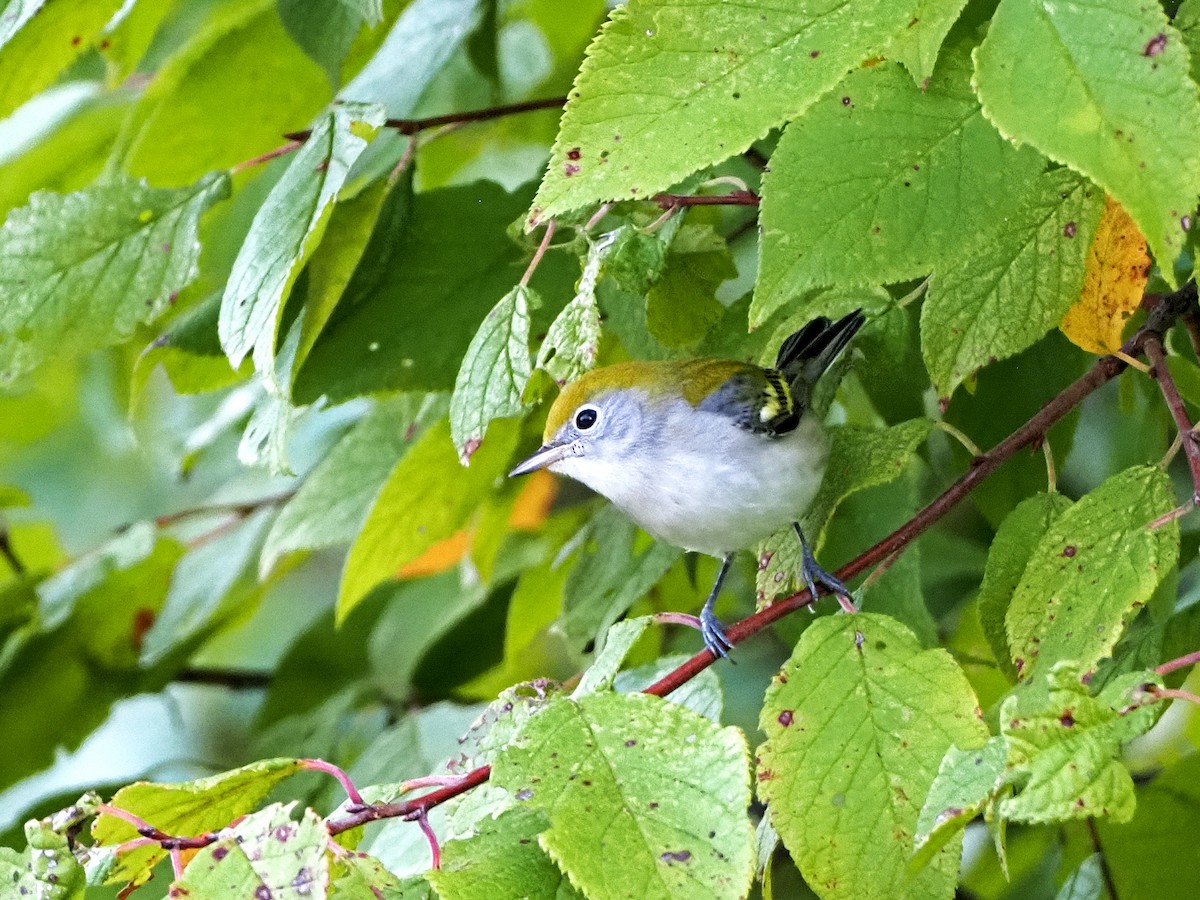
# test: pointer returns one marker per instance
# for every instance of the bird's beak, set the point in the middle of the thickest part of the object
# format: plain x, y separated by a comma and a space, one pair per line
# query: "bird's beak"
547, 455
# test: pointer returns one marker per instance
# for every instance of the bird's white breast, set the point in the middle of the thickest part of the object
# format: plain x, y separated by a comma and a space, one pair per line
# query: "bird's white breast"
722, 489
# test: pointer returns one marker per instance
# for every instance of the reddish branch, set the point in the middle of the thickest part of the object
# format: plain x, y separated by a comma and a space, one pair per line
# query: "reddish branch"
1029, 434
734, 198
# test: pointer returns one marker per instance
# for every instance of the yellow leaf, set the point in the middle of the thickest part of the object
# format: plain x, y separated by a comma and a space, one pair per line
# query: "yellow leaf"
1114, 280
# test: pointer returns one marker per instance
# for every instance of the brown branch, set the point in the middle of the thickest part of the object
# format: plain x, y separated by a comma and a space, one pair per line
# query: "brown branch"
239, 510
1162, 374
415, 126
1033, 431
733, 198
234, 679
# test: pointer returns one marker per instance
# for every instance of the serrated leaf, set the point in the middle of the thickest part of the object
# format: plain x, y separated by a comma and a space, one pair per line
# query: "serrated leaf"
917, 46
1064, 747
657, 69
428, 496
1123, 134
48, 37
701, 694
285, 230
502, 860
859, 458
857, 723
881, 182
494, 371
185, 808
81, 271
1097, 564
965, 783
358, 874
1011, 548
628, 777
1014, 285
329, 507
573, 339
267, 853
1115, 279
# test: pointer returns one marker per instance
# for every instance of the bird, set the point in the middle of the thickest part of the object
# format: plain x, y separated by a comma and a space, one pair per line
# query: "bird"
711, 455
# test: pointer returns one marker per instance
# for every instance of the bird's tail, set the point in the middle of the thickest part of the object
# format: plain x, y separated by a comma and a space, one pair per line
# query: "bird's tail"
804, 357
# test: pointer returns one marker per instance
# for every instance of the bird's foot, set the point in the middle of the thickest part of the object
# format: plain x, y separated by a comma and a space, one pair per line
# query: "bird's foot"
813, 574
713, 632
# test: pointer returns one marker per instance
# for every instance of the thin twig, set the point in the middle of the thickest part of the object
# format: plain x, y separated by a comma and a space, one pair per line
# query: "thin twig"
733, 198
435, 849
1162, 374
290, 147
414, 126
9, 554
240, 509
1181, 662
1109, 884
234, 679
1174, 694
539, 253
320, 765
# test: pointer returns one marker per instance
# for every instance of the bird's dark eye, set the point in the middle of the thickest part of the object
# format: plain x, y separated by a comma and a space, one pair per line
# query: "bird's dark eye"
586, 418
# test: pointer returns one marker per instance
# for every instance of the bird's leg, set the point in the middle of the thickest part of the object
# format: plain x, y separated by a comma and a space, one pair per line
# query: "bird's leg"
711, 628
813, 574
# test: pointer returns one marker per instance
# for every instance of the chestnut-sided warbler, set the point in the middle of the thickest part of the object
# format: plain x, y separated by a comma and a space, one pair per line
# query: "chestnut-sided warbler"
712, 455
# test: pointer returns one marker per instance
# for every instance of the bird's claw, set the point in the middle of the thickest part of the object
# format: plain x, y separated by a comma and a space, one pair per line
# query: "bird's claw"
713, 633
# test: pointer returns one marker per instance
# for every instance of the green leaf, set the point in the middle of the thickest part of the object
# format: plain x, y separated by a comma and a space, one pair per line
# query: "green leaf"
573, 339
966, 782
1011, 549
1086, 882
358, 875
14, 15
329, 507
1187, 23
494, 371
1064, 747
47, 869
446, 261
627, 777
701, 694
1153, 856
857, 724
917, 46
859, 458
1096, 565
212, 581
185, 808
286, 228
46, 44
193, 807
267, 853
1014, 285
618, 641
502, 860
126, 43
193, 117
428, 496
615, 567
681, 306
656, 70
1125, 134
327, 29
81, 271
882, 182
424, 37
